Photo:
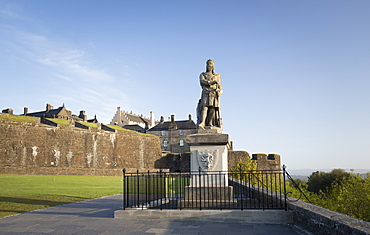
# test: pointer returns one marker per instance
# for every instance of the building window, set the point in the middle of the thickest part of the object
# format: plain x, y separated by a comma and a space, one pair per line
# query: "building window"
164, 133
181, 132
181, 142
165, 143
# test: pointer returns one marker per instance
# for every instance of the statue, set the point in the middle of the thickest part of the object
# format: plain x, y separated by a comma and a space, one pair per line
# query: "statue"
208, 110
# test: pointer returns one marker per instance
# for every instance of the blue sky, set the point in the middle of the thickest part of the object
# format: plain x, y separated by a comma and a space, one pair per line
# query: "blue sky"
295, 74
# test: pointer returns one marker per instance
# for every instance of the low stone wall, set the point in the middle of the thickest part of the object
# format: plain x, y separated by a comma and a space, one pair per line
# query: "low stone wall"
316, 219
320, 220
34, 170
69, 171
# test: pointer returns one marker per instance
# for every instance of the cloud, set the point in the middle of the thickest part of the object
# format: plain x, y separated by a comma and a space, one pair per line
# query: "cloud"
92, 45
11, 9
73, 75
62, 59
64, 77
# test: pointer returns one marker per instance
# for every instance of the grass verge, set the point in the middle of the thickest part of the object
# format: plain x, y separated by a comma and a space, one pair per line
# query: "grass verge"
21, 193
60, 121
90, 124
116, 127
18, 118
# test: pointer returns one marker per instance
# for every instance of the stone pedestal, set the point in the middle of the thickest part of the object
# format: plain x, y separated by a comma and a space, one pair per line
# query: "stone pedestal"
209, 170
208, 157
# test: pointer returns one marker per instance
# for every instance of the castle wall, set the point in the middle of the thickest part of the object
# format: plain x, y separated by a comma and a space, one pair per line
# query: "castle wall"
267, 161
177, 162
264, 161
31, 148
237, 156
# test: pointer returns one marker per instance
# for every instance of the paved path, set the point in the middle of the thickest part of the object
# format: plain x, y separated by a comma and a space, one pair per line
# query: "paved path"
96, 217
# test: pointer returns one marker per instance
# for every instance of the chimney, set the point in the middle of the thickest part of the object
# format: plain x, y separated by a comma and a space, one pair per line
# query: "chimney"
152, 121
173, 123
8, 110
25, 111
190, 117
48, 107
82, 115
162, 119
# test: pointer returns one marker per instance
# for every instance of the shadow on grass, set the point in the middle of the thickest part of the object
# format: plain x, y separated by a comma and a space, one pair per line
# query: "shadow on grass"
10, 212
15, 205
100, 207
45, 202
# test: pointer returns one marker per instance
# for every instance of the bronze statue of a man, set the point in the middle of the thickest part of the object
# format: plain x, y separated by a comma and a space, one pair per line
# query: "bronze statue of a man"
208, 110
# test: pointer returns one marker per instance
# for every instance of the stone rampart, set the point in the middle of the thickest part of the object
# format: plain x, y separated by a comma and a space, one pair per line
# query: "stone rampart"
35, 148
264, 161
320, 220
237, 156
267, 161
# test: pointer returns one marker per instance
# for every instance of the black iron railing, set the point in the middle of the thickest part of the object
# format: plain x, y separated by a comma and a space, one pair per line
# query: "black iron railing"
204, 190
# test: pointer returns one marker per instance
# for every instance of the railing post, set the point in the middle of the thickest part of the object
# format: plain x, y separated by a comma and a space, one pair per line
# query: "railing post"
200, 190
241, 176
137, 188
285, 198
181, 187
123, 188
160, 186
141, 176
164, 189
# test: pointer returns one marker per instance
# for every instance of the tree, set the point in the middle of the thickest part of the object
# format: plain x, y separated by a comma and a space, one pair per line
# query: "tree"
351, 196
348, 193
246, 171
322, 181
244, 166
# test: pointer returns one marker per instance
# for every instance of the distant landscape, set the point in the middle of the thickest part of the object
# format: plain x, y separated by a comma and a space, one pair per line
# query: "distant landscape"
303, 174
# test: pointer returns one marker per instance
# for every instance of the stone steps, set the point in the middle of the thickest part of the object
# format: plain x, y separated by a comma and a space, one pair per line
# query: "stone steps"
245, 216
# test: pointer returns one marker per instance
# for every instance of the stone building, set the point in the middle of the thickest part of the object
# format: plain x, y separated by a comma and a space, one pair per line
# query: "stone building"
173, 133
61, 113
133, 122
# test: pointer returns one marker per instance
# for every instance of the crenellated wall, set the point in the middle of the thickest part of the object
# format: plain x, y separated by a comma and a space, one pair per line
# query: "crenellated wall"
29, 146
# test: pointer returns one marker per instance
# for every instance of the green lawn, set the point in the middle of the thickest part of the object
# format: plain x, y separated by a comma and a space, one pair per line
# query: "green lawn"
59, 121
90, 124
21, 193
18, 118
116, 127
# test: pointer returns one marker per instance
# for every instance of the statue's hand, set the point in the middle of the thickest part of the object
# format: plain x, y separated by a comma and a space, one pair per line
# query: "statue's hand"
213, 82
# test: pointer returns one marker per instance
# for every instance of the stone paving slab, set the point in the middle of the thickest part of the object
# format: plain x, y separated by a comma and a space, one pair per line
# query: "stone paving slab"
97, 217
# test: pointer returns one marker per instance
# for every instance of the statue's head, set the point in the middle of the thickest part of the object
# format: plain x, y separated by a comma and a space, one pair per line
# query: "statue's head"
210, 65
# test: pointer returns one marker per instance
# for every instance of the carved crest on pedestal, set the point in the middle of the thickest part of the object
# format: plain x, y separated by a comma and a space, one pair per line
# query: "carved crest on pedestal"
207, 159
